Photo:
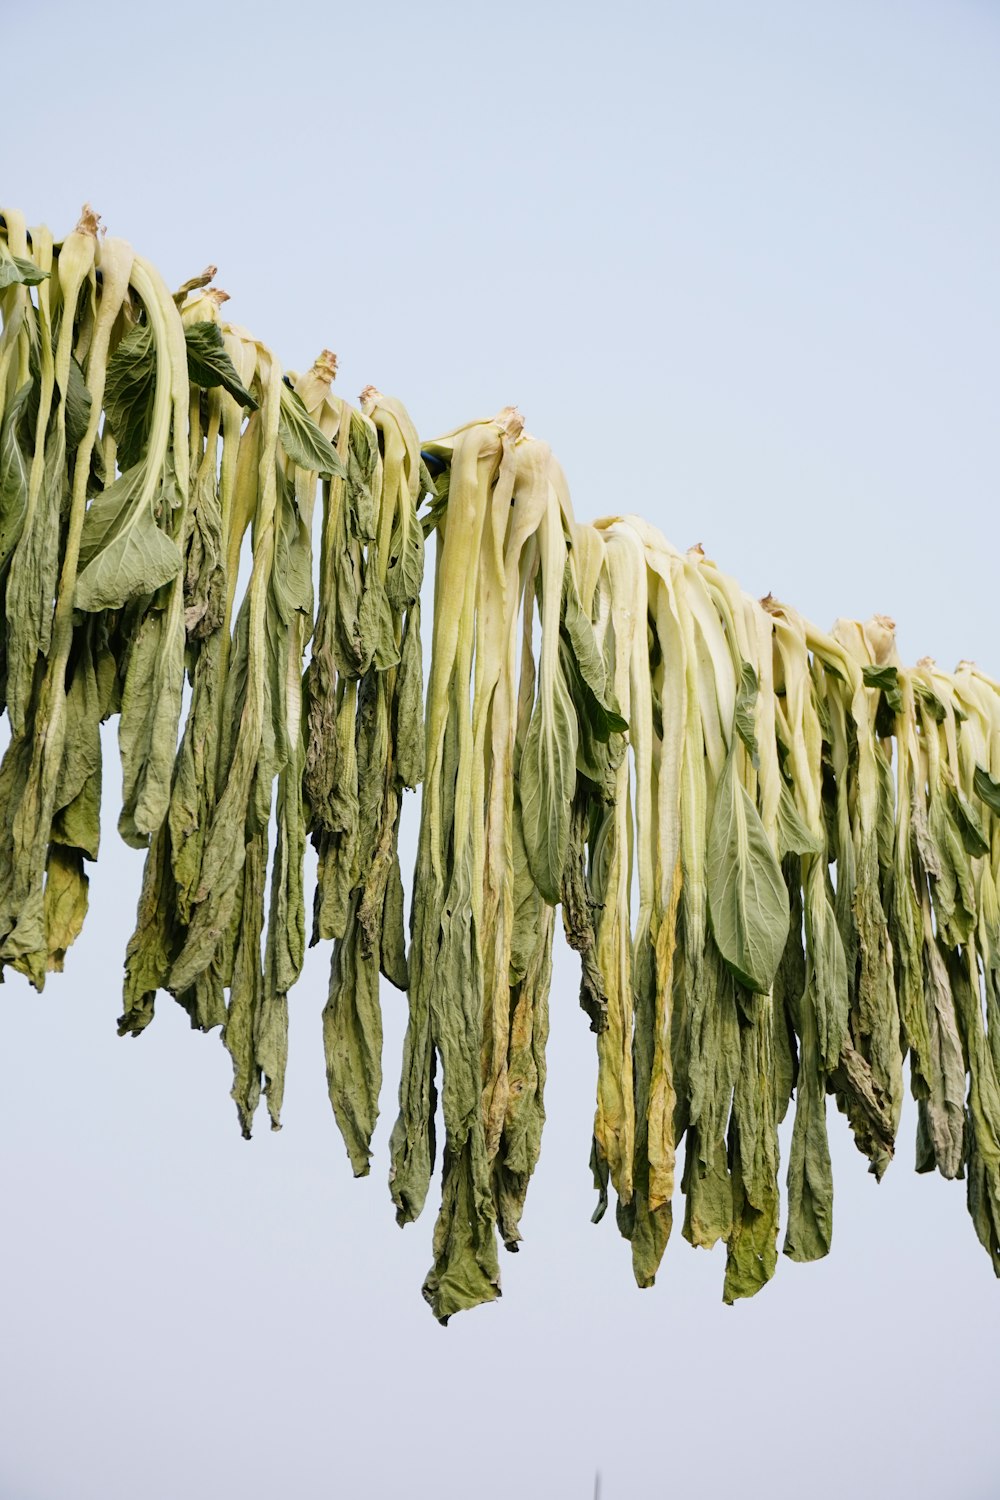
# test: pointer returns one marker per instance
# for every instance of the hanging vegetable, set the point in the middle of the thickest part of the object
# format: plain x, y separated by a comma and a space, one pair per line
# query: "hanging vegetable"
776, 848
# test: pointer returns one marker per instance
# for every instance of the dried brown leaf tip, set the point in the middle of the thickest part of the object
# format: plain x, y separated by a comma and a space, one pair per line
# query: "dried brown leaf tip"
325, 364
881, 633
196, 283
511, 421
89, 221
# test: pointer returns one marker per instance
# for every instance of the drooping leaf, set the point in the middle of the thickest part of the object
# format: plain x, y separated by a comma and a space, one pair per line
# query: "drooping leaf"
592, 690
303, 441
987, 789
129, 394
14, 465
930, 700
78, 404
747, 899
547, 777
16, 270
968, 823
886, 680
123, 552
744, 722
793, 835
209, 365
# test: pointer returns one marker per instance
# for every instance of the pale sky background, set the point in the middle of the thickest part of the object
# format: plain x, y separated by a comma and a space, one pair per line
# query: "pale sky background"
740, 265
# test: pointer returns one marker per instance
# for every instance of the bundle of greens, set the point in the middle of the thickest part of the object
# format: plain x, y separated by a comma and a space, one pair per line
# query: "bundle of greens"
690, 1014
365, 715
202, 909
92, 581
476, 926
776, 849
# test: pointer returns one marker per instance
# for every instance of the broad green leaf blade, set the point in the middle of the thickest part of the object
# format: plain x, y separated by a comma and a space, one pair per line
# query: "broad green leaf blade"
123, 553
747, 898
886, 679
303, 441
968, 823
78, 403
930, 700
744, 722
15, 270
793, 835
129, 393
209, 365
547, 780
406, 562
14, 466
987, 789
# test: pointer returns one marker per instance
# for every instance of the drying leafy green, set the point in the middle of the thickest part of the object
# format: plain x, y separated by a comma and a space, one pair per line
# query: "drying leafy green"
386, 756
776, 849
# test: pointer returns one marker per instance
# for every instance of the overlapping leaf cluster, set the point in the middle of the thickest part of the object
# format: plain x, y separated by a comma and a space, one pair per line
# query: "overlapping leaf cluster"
159, 477
776, 850
791, 907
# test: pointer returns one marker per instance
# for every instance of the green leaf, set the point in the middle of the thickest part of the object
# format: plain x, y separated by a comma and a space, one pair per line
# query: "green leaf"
794, 836
292, 579
744, 722
580, 633
986, 789
931, 702
526, 902
352, 1038
78, 404
968, 823
547, 778
428, 485
14, 466
405, 571
363, 460
209, 365
409, 728
591, 749
886, 680
123, 553
16, 271
129, 393
747, 897
303, 441
376, 627
810, 1177
585, 668
65, 902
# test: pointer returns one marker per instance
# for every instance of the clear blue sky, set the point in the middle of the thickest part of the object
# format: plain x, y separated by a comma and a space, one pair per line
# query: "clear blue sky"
739, 265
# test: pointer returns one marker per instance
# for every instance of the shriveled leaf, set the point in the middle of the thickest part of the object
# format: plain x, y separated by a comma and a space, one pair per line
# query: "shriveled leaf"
14, 465
546, 780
